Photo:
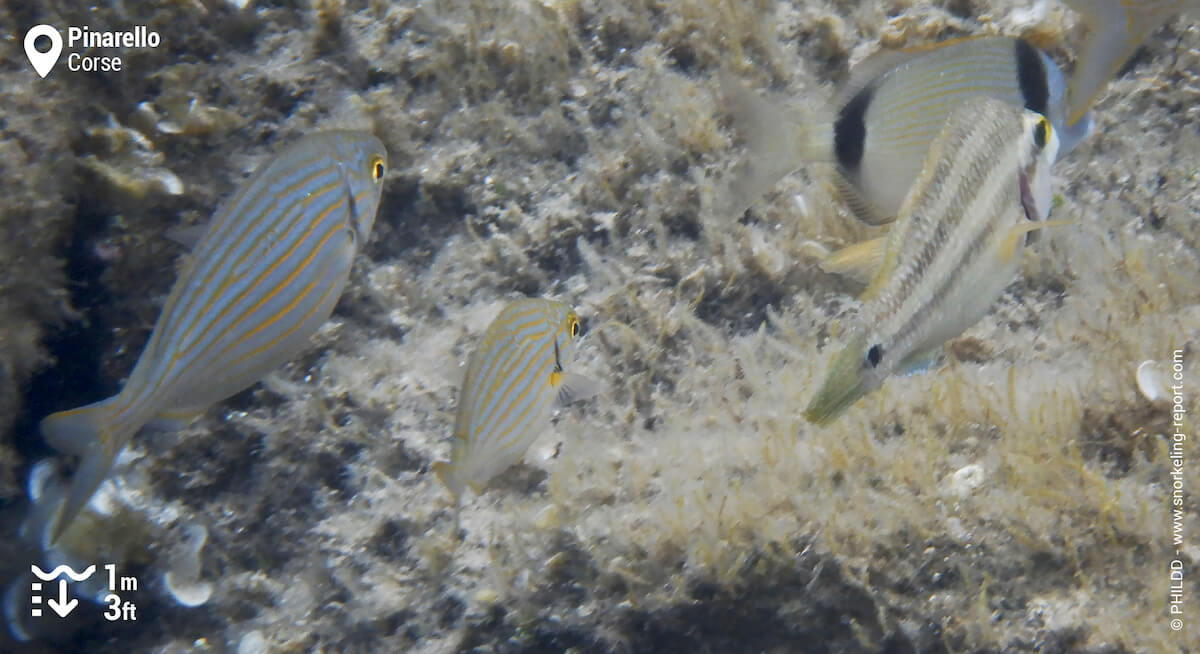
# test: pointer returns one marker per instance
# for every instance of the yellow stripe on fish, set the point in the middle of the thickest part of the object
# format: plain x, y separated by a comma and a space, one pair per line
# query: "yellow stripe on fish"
261, 280
886, 115
953, 249
513, 380
1115, 29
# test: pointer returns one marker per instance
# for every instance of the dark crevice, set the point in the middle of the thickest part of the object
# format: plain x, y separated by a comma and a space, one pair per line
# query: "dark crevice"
743, 309
74, 378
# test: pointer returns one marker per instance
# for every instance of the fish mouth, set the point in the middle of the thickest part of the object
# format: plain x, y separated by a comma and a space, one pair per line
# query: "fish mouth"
844, 385
831, 402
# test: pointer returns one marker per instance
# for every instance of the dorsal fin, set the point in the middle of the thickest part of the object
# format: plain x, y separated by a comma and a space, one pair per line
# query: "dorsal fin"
859, 205
877, 64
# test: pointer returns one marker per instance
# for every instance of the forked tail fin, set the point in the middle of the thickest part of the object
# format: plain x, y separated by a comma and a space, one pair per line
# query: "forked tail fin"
92, 471
445, 474
77, 430
776, 143
84, 432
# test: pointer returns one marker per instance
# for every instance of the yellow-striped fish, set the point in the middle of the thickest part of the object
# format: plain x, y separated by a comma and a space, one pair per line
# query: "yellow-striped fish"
954, 248
1115, 29
262, 279
886, 115
513, 380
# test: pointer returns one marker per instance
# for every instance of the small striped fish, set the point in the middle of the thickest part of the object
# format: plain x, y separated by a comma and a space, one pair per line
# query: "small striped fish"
260, 281
954, 248
887, 113
1115, 29
513, 380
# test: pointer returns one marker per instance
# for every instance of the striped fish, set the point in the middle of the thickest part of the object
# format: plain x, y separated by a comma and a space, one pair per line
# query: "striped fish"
886, 115
513, 380
260, 281
1115, 29
984, 186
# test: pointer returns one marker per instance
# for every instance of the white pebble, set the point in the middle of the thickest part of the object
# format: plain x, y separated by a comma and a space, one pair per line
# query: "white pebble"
1151, 381
252, 643
966, 479
1034, 15
167, 181
183, 580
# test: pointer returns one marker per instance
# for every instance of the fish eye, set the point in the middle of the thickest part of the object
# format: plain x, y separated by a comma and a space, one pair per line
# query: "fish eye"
874, 355
377, 167
574, 327
1041, 133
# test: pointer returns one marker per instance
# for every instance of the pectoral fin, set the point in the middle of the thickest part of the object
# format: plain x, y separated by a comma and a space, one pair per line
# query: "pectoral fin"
1016, 235
573, 387
859, 262
918, 362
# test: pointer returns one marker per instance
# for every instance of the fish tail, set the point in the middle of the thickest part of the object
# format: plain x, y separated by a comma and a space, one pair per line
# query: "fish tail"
446, 474
85, 432
92, 471
77, 430
776, 143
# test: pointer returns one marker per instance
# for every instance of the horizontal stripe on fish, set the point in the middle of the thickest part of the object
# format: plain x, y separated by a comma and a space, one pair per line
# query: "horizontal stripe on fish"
953, 249
512, 382
514, 378
263, 278
530, 345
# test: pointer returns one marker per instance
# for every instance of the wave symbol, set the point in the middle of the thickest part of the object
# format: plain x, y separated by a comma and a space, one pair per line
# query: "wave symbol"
62, 569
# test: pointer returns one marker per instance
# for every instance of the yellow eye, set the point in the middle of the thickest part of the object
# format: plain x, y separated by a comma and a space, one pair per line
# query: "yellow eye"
377, 167
1041, 133
574, 326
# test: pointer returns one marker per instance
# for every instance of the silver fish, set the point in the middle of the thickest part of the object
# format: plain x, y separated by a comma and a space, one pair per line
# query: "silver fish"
264, 276
954, 248
513, 380
886, 115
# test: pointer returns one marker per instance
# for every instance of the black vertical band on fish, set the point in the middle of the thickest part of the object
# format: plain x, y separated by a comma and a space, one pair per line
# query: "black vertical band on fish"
850, 131
886, 114
1031, 76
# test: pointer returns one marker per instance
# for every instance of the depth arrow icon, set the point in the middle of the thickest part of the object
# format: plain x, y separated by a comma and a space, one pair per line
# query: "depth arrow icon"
61, 606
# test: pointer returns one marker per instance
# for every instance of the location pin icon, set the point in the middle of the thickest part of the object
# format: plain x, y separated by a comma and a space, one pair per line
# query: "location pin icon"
43, 61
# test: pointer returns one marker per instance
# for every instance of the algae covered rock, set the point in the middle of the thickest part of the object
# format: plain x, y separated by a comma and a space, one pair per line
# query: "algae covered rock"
1015, 498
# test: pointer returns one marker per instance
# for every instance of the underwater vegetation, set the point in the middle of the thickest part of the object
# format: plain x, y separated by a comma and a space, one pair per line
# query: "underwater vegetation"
1015, 497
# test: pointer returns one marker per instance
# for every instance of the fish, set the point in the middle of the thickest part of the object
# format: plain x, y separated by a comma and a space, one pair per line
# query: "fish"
263, 277
885, 116
514, 379
983, 187
1115, 29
